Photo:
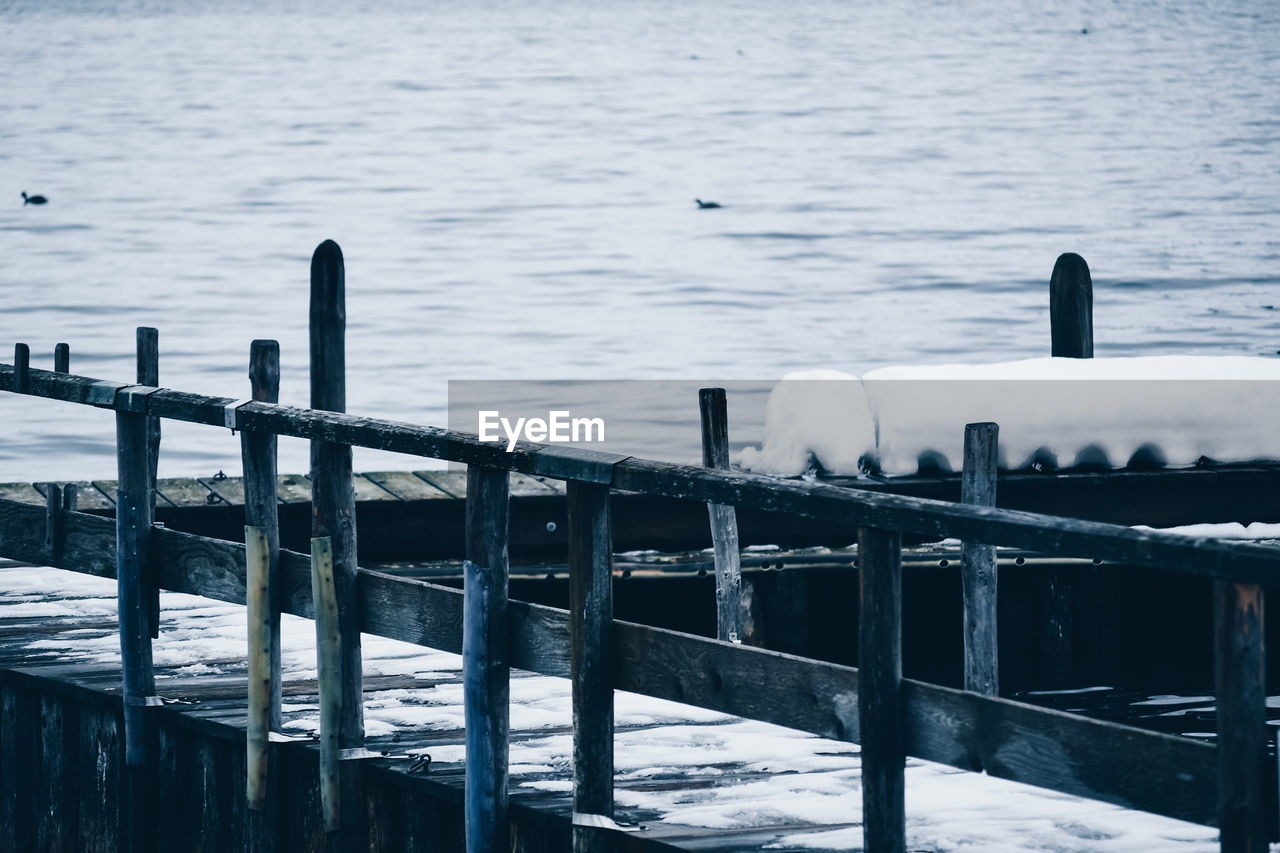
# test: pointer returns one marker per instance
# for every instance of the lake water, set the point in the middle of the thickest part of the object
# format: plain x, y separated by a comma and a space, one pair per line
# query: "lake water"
513, 186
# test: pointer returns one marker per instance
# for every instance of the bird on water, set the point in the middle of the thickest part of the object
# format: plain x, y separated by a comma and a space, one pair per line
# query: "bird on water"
706, 205
34, 199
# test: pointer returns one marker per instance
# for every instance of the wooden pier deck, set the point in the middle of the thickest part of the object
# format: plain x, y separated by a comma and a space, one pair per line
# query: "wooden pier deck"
693, 779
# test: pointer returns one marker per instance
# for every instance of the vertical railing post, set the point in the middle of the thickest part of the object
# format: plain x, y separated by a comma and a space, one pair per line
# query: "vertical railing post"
261, 501
1240, 665
978, 563
21, 368
262, 551
879, 690
148, 373
329, 683
485, 673
334, 516
590, 623
133, 541
62, 358
724, 519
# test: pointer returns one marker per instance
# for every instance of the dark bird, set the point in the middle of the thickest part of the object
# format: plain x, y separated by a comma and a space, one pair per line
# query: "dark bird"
34, 199
706, 205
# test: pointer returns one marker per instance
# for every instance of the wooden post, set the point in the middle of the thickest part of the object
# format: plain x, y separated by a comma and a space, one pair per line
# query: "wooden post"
1071, 308
21, 368
724, 519
1240, 660
258, 458
261, 502
333, 516
148, 373
485, 673
62, 358
328, 677
879, 690
590, 623
133, 540
258, 605
978, 563
55, 522
332, 488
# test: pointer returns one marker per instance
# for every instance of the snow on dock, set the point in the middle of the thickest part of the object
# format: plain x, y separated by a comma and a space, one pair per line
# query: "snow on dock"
693, 779
1100, 412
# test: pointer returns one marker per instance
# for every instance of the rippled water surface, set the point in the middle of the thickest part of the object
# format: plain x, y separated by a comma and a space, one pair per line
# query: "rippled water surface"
513, 185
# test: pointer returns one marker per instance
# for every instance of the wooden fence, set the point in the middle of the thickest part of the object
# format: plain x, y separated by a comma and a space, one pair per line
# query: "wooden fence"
891, 717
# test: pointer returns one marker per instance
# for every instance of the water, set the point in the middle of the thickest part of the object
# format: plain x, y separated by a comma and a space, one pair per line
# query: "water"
513, 185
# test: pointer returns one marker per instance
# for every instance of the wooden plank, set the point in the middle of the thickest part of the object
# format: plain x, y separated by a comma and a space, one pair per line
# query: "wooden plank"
134, 594
369, 491
59, 750
486, 676
25, 492
100, 783
724, 519
591, 623
19, 756
978, 564
1240, 676
293, 489
879, 694
452, 483
1071, 308
181, 492
261, 680
405, 486
1127, 766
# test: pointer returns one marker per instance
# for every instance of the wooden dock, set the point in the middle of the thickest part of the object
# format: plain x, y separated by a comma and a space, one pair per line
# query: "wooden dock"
691, 780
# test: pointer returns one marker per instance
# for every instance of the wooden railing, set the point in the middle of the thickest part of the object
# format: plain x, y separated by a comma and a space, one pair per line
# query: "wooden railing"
1217, 784
873, 705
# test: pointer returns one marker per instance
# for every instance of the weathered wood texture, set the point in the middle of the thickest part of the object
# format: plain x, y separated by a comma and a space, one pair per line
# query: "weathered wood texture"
978, 563
591, 622
148, 374
938, 519
136, 592
486, 669
329, 676
21, 368
880, 691
724, 519
1175, 776
62, 358
1242, 717
261, 499
332, 490
262, 681
1071, 308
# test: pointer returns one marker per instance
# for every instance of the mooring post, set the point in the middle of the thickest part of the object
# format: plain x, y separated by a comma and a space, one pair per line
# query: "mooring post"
590, 623
724, 519
978, 563
62, 358
333, 516
1071, 333
21, 368
1071, 308
1240, 675
485, 673
148, 373
879, 690
329, 679
133, 546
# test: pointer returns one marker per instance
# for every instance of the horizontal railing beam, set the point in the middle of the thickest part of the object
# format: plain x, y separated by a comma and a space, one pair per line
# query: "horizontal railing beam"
941, 519
1131, 767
